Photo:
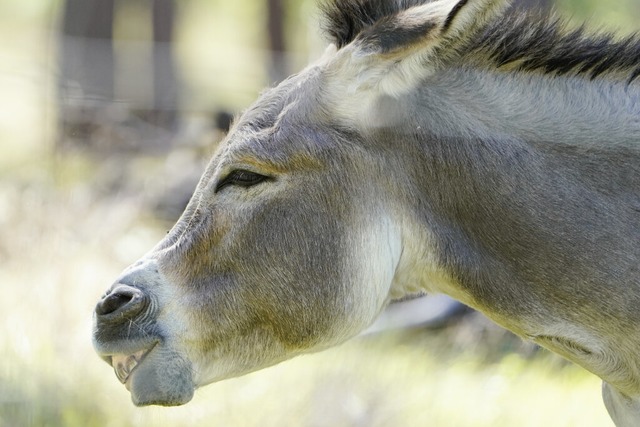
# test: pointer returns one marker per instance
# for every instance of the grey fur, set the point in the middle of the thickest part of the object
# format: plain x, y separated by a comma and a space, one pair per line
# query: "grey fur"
471, 162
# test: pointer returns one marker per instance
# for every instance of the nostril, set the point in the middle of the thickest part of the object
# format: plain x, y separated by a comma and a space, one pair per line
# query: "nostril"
122, 298
112, 302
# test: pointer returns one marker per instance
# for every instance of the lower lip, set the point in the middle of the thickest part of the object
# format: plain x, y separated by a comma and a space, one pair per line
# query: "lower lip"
143, 356
127, 383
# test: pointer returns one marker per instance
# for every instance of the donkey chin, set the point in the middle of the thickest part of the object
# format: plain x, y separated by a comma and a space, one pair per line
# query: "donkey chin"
155, 376
128, 336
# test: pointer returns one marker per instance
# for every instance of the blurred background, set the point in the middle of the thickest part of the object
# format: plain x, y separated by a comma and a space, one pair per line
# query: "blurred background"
109, 111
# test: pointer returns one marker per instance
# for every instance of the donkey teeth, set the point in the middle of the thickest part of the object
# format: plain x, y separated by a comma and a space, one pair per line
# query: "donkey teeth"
123, 365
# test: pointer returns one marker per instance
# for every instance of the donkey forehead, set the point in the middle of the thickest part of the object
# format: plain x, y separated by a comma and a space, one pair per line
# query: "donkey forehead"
288, 122
292, 101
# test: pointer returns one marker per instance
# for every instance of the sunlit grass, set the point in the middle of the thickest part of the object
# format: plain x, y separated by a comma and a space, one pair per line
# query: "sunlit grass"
64, 237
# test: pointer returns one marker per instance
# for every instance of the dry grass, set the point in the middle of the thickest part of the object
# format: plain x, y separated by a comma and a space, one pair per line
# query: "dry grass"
67, 228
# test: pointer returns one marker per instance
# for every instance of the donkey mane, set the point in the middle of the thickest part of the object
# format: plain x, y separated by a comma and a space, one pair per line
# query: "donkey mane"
538, 41
519, 40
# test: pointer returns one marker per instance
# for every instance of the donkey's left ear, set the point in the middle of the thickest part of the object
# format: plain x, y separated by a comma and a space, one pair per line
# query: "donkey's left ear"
434, 23
398, 49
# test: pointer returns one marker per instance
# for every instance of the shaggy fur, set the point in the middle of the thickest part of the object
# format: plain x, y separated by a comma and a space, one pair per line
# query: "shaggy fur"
540, 42
524, 41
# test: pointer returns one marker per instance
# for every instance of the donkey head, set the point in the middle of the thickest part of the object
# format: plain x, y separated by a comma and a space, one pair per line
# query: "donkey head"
299, 232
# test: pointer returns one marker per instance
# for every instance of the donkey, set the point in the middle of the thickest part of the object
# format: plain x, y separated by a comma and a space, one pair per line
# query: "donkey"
448, 146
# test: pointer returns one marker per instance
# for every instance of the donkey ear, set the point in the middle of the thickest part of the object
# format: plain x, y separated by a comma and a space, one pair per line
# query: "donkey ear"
432, 24
391, 56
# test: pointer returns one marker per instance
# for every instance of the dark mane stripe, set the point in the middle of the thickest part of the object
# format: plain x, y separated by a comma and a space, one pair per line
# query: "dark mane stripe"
531, 40
453, 14
537, 41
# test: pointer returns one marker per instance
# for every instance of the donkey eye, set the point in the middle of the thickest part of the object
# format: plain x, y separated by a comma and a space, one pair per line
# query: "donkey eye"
241, 178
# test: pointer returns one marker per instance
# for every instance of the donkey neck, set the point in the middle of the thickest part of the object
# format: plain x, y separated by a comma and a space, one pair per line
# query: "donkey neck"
531, 106
529, 188
525, 146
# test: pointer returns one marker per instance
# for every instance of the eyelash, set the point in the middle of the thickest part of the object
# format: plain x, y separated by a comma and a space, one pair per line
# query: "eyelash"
241, 178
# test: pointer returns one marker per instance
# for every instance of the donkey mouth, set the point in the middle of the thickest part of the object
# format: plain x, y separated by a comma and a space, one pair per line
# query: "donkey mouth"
124, 365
